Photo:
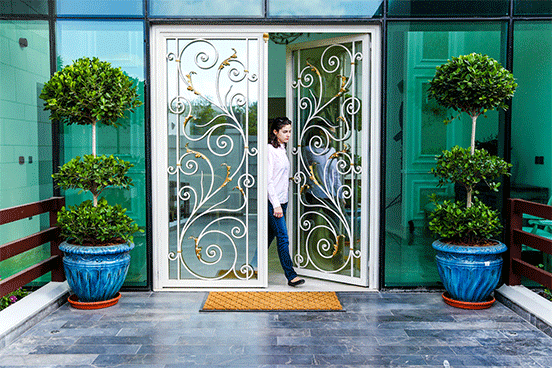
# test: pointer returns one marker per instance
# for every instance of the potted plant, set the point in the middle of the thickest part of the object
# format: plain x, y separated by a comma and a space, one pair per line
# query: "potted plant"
98, 235
469, 260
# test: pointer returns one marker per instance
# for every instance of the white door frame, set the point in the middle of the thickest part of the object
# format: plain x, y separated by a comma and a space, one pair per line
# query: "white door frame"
157, 112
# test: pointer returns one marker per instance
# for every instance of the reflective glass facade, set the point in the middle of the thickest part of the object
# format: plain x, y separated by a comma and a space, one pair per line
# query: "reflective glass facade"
320, 8
25, 133
206, 8
121, 44
18, 7
533, 7
448, 8
417, 39
416, 133
111, 8
532, 122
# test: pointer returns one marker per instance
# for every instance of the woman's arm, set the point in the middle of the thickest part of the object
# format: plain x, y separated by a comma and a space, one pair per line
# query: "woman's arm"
272, 195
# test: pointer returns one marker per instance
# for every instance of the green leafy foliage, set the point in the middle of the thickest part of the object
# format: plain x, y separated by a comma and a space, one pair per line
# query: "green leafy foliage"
459, 166
104, 224
452, 221
12, 297
546, 293
87, 91
473, 84
94, 174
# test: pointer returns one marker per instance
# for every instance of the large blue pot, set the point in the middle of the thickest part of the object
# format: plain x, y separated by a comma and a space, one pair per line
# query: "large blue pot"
469, 274
96, 273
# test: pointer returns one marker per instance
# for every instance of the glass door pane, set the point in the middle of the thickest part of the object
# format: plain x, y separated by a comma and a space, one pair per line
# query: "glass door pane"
327, 100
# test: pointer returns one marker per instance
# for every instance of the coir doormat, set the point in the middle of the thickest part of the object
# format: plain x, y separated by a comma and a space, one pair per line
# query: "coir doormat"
258, 301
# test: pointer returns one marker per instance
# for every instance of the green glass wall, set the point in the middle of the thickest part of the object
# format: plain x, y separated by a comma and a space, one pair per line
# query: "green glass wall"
532, 124
122, 44
20, 7
25, 133
448, 8
416, 133
533, 7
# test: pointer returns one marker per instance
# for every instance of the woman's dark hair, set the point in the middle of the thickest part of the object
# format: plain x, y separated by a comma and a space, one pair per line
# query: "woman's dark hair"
275, 125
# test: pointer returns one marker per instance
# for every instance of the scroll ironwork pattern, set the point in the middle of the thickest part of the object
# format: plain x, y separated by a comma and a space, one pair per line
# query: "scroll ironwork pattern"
328, 164
212, 235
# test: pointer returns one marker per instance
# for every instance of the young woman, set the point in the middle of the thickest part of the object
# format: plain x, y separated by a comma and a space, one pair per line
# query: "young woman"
278, 183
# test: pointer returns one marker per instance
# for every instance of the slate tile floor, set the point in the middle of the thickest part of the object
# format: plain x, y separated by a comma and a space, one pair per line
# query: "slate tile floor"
378, 329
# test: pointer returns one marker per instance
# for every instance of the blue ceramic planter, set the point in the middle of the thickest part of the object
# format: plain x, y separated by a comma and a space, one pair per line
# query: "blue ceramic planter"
469, 274
96, 273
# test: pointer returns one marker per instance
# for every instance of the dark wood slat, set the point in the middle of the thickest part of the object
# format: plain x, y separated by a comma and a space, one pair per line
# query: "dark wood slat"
532, 272
532, 208
533, 241
32, 209
19, 246
29, 274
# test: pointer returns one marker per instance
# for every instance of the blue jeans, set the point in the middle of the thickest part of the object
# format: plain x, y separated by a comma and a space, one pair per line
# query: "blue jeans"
277, 228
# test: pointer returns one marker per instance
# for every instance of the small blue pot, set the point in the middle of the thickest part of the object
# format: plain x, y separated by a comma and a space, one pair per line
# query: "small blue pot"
469, 274
96, 273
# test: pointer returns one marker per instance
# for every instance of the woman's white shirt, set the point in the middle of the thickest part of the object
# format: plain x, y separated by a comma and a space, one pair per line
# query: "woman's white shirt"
278, 175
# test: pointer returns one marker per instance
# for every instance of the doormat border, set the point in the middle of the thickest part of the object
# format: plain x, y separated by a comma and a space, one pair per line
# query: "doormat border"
270, 310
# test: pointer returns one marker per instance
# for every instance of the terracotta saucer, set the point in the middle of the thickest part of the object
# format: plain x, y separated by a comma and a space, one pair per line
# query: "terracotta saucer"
468, 305
74, 301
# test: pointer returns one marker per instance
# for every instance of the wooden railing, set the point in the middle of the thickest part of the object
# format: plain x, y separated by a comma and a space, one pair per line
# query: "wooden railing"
53, 263
516, 267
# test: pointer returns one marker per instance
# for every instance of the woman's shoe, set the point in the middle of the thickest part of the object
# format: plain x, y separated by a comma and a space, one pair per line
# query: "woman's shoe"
296, 283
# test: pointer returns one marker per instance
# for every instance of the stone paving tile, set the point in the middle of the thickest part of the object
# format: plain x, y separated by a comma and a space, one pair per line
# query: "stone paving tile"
167, 330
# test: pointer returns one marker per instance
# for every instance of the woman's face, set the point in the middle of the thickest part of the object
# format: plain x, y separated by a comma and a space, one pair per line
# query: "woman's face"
283, 134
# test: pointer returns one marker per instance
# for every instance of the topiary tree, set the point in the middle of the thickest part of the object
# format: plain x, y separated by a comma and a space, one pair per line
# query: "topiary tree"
89, 92
471, 84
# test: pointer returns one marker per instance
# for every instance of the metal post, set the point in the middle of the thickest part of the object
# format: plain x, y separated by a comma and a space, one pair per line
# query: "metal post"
515, 222
57, 273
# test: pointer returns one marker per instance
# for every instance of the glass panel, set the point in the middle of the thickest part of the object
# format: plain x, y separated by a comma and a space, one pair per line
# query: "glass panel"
213, 92
335, 9
416, 133
19, 7
533, 7
121, 44
112, 8
447, 8
532, 126
206, 8
327, 145
25, 159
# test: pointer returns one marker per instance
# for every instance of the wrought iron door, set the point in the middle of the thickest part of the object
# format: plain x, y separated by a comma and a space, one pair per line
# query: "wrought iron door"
212, 88
328, 83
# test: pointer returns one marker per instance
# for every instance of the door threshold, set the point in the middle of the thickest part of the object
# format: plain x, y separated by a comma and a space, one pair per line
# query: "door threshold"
277, 283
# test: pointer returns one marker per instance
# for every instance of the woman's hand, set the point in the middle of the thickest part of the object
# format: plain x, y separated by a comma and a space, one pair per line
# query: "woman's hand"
278, 212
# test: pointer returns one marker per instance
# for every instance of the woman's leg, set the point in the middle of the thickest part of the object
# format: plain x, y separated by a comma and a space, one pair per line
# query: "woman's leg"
279, 228
271, 232
271, 236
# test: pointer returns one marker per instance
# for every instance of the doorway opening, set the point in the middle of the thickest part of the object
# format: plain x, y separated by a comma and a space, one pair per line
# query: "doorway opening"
213, 93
